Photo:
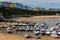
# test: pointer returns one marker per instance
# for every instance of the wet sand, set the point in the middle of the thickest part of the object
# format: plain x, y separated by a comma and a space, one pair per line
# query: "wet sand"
5, 36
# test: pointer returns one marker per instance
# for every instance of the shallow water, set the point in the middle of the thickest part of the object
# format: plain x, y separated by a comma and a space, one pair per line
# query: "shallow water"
50, 22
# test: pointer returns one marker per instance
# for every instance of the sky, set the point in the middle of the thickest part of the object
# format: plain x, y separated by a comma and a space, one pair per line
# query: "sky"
38, 3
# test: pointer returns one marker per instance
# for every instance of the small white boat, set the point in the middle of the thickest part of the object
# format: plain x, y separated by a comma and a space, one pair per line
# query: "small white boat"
36, 31
58, 31
31, 28
42, 30
42, 24
20, 28
37, 34
3, 26
48, 31
23, 28
52, 28
27, 28
27, 35
9, 30
14, 23
54, 34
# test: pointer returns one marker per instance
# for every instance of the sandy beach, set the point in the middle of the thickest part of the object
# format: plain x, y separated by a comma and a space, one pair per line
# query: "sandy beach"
35, 18
6, 36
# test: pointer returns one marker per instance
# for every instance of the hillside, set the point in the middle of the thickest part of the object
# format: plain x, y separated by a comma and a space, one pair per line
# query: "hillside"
9, 12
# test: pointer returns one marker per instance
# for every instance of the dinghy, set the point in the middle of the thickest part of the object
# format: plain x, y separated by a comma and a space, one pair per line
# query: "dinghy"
27, 35
36, 31
43, 30
54, 34
48, 31
58, 30
9, 30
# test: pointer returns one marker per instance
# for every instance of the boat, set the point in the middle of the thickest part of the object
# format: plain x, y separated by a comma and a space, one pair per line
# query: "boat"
27, 35
54, 34
48, 31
